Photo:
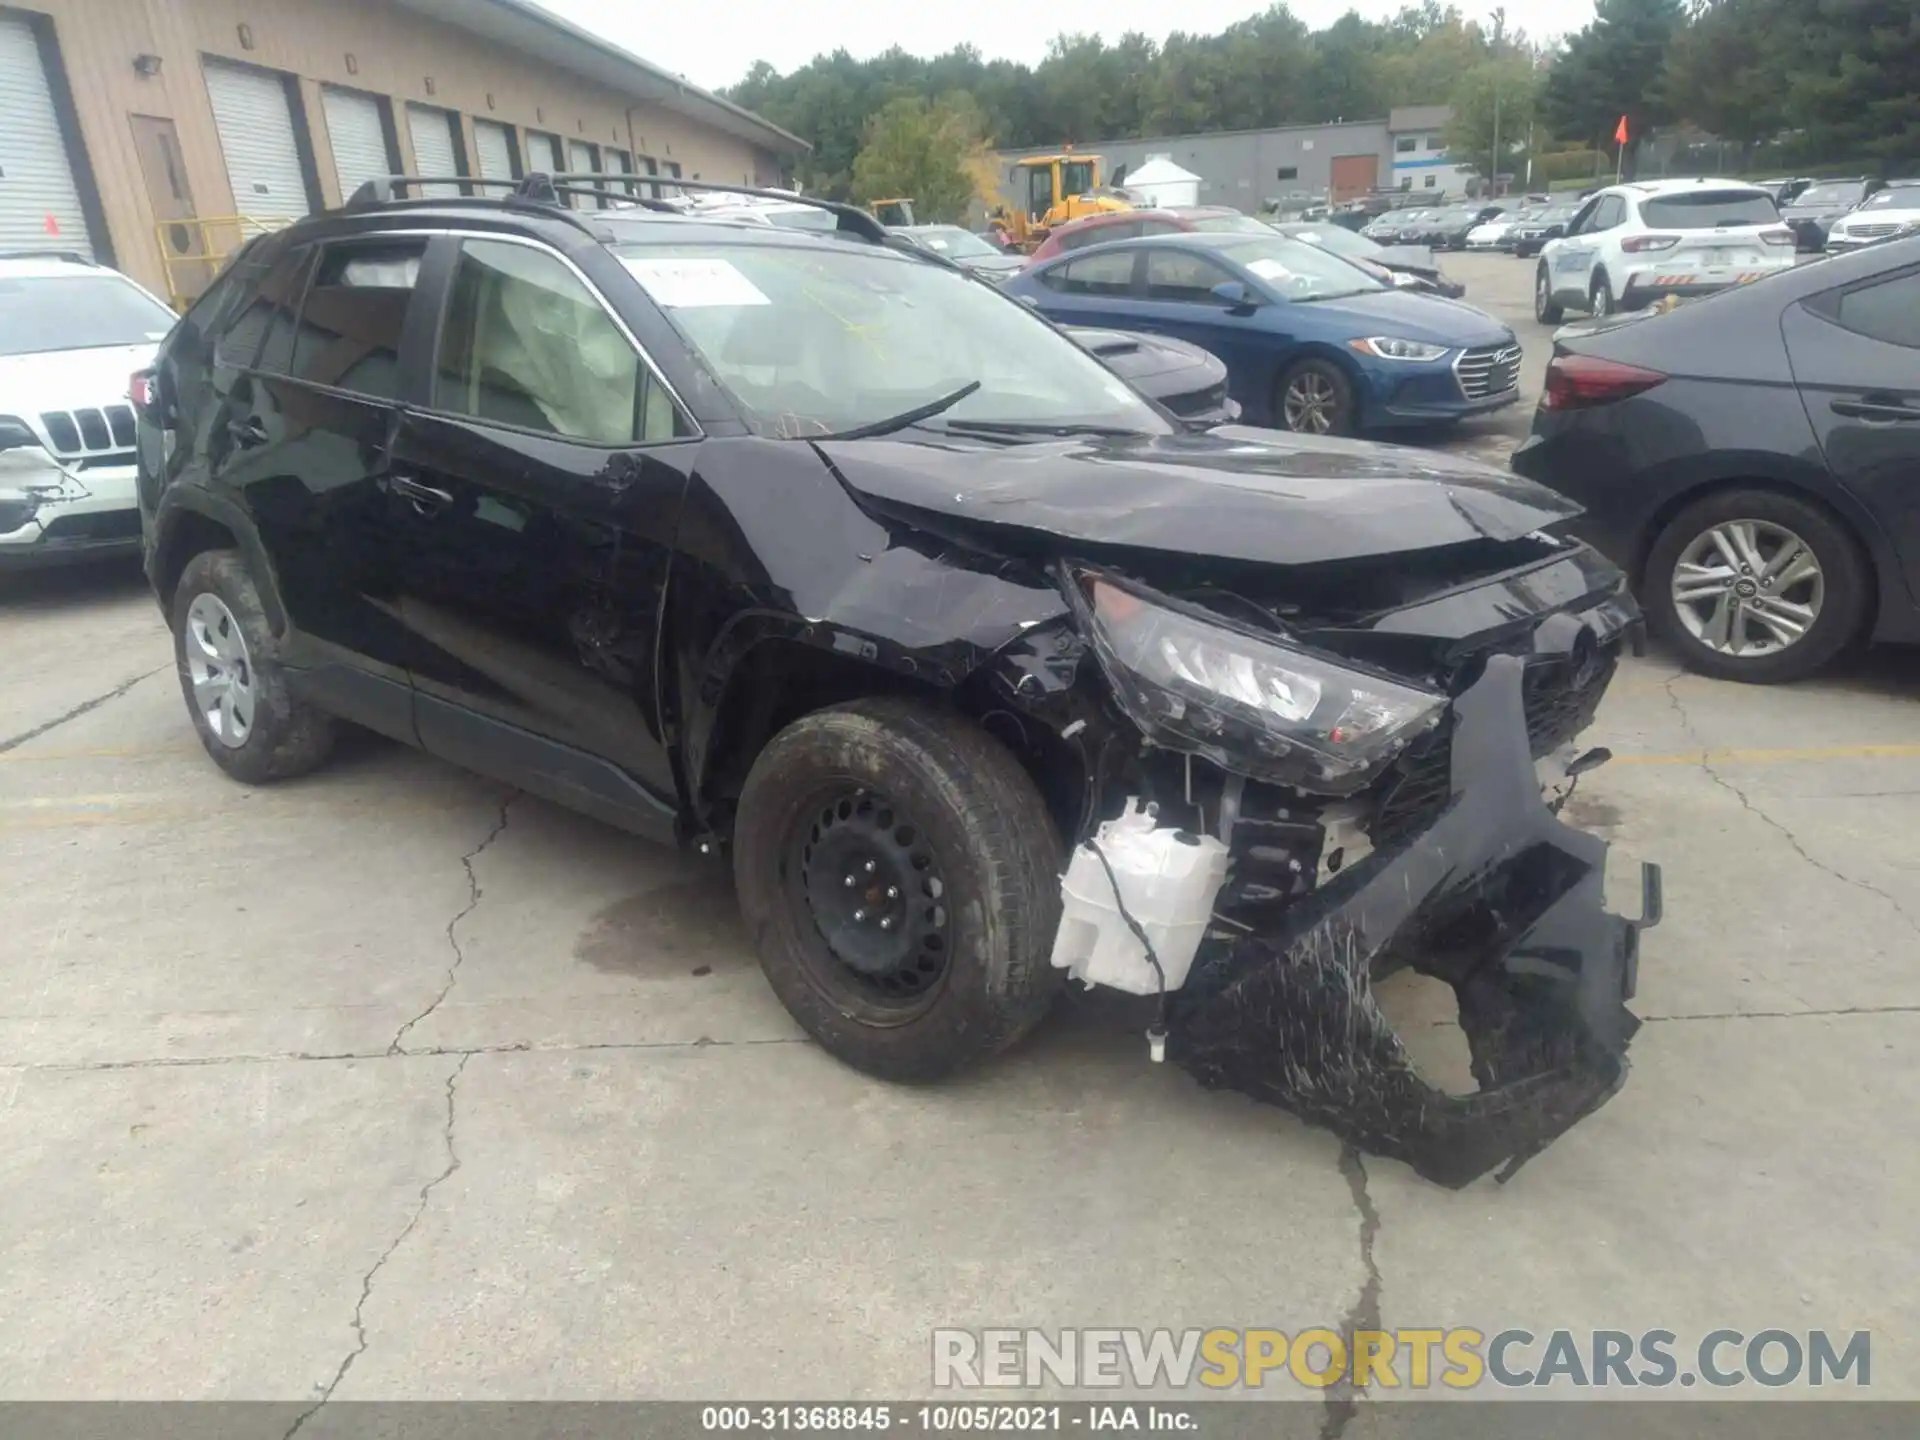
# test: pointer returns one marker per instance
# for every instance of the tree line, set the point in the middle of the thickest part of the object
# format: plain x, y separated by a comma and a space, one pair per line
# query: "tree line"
1820, 79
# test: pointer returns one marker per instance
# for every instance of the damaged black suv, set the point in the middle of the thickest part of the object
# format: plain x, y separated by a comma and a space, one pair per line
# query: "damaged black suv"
806, 548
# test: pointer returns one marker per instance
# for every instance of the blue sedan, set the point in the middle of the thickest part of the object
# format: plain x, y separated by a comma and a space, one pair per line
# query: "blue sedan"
1310, 342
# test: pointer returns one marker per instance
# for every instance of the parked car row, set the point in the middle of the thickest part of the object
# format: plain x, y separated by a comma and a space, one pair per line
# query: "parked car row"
1841, 214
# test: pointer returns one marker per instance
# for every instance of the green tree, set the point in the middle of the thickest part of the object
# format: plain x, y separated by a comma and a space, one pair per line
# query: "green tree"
1614, 67
921, 150
1728, 70
1855, 84
1494, 98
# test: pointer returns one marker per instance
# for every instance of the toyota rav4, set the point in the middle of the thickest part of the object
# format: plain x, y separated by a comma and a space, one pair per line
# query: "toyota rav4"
807, 549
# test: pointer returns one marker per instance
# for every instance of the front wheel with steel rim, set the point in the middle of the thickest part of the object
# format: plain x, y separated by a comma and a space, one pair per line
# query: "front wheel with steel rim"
1754, 585
899, 872
1315, 397
248, 721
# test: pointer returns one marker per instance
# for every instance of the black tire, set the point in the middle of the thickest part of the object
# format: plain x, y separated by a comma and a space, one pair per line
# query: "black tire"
1844, 567
971, 816
285, 737
1600, 301
1544, 308
1341, 410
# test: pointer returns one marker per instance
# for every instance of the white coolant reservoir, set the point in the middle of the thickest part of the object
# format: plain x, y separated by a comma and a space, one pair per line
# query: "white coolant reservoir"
1168, 880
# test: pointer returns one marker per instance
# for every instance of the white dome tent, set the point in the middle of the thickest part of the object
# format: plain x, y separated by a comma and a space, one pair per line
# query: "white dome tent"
1161, 182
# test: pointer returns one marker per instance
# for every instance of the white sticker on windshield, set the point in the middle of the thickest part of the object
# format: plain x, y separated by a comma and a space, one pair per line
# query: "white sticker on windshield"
1269, 269
690, 284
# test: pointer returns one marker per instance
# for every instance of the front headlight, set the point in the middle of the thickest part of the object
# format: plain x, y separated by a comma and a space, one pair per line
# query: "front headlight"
1250, 703
1391, 347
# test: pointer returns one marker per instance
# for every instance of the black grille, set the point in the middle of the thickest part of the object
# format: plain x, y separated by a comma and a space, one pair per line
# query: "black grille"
101, 525
1559, 696
1489, 370
75, 432
1198, 402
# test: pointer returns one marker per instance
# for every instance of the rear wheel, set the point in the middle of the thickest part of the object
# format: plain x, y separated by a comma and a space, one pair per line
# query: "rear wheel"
1544, 308
901, 878
1315, 397
1756, 586
1600, 298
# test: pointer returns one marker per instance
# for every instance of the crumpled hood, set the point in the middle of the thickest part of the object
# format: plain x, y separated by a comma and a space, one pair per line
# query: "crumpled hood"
1234, 493
70, 379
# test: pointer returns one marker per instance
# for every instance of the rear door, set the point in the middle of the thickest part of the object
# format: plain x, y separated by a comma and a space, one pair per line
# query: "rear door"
1721, 236
537, 482
1856, 358
1095, 289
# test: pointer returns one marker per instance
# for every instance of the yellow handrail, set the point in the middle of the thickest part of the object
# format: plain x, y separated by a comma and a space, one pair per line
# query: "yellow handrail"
203, 241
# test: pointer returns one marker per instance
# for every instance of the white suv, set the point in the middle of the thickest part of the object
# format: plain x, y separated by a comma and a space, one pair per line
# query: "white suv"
1894, 211
1632, 244
72, 335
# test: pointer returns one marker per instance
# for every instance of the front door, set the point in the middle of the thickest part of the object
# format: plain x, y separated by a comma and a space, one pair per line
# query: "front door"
183, 248
1180, 302
539, 490
1856, 359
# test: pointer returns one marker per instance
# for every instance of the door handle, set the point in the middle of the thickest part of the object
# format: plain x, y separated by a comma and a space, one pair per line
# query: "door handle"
424, 498
247, 431
1874, 411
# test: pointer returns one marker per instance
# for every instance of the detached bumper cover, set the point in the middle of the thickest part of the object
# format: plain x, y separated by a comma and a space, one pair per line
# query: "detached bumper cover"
1500, 900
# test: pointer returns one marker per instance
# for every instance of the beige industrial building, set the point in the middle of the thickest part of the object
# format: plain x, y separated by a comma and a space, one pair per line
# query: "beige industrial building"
155, 134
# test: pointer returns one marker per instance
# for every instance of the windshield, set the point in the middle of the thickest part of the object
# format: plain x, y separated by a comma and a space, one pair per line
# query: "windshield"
1901, 197
1846, 192
79, 312
1230, 224
813, 340
1299, 272
1695, 210
954, 243
804, 218
1338, 240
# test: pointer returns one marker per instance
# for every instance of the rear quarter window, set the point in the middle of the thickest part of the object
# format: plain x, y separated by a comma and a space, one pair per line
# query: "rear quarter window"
1694, 210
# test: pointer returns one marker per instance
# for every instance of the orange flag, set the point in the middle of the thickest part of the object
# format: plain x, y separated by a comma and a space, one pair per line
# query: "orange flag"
1620, 131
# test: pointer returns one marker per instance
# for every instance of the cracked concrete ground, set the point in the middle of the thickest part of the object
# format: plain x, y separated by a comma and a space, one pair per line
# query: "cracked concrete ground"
391, 1084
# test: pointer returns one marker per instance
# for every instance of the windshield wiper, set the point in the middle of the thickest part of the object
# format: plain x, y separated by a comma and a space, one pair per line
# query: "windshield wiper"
905, 417
1036, 427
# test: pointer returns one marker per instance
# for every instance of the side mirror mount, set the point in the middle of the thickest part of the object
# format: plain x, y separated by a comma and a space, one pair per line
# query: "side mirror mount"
1241, 298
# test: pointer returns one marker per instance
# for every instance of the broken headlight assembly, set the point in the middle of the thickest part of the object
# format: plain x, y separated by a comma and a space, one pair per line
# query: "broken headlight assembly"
1249, 702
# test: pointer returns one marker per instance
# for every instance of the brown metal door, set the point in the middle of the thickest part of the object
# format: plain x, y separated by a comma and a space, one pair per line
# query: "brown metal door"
181, 240
1354, 175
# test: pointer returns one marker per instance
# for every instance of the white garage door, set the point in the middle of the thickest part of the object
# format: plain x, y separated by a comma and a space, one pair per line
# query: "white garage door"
39, 201
256, 135
495, 144
359, 139
432, 132
580, 162
543, 154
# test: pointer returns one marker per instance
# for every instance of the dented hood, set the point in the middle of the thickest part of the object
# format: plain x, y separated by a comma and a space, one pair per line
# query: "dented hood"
1233, 493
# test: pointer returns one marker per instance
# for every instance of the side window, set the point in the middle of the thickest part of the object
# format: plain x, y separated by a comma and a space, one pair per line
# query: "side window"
1887, 311
208, 315
1110, 274
524, 343
1582, 222
350, 326
1184, 277
262, 334
1611, 212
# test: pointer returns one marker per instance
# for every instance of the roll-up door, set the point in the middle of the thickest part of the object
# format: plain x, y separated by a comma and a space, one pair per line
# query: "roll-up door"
582, 159
620, 163
255, 122
433, 151
39, 198
359, 139
495, 144
543, 153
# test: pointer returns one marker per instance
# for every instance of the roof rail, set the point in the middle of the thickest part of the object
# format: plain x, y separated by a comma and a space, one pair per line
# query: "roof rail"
853, 220
76, 256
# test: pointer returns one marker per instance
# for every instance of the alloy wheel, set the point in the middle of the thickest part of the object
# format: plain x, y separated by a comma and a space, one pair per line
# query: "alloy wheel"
1310, 405
1748, 588
221, 670
877, 901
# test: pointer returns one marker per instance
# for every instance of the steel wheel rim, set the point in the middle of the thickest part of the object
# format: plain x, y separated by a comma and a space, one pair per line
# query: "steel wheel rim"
870, 887
1748, 588
1540, 296
1309, 403
220, 670
1602, 301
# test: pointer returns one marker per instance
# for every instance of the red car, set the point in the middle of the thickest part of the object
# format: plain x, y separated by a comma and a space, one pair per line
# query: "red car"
1131, 224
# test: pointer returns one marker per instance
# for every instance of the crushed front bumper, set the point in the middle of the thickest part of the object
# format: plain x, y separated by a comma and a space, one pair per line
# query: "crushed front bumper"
1499, 899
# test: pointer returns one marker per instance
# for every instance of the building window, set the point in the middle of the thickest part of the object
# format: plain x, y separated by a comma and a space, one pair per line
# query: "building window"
1430, 182
1287, 172
1407, 144
1435, 142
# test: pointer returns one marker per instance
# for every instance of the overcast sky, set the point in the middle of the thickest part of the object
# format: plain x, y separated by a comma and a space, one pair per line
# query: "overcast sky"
713, 42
